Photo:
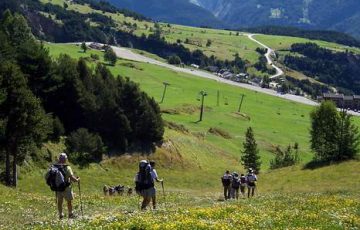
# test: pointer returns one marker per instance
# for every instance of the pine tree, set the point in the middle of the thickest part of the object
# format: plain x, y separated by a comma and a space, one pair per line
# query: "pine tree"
27, 125
324, 131
333, 136
84, 47
349, 138
110, 56
250, 157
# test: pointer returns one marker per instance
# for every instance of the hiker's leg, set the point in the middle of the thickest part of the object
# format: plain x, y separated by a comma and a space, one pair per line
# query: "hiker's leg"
145, 202
249, 192
225, 192
253, 191
70, 207
60, 200
69, 196
154, 201
237, 193
228, 192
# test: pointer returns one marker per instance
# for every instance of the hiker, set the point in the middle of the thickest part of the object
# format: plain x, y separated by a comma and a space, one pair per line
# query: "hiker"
226, 182
251, 182
235, 185
154, 177
106, 190
243, 184
67, 194
144, 183
130, 191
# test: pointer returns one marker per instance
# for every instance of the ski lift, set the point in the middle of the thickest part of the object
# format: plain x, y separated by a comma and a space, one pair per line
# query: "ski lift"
226, 101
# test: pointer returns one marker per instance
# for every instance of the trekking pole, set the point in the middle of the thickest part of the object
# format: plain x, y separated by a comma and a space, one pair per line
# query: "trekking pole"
81, 207
162, 185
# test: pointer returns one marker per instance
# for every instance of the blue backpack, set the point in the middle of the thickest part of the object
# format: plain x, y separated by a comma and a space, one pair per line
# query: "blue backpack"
144, 178
55, 178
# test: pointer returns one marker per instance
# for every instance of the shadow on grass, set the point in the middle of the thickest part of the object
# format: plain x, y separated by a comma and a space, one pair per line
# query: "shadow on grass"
315, 164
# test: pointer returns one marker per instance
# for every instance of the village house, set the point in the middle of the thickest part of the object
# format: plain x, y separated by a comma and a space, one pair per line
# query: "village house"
342, 101
96, 46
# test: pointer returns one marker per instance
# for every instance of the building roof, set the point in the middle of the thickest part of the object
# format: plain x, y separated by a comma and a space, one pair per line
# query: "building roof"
348, 98
335, 96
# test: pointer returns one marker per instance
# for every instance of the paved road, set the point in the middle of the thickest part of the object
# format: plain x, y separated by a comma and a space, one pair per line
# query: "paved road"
268, 54
130, 55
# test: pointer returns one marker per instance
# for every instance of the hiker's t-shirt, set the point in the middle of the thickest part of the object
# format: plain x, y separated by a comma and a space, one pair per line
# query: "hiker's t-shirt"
136, 178
251, 178
226, 179
154, 175
243, 181
68, 173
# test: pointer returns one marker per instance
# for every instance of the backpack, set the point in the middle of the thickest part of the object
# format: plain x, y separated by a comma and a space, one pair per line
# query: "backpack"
144, 179
235, 183
55, 178
226, 181
243, 180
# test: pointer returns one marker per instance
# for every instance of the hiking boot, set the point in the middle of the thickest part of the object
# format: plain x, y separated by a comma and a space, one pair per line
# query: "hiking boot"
72, 216
61, 216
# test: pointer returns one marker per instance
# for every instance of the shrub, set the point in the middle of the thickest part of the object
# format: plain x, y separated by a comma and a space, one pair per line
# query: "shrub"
94, 56
110, 56
84, 147
174, 60
285, 158
58, 130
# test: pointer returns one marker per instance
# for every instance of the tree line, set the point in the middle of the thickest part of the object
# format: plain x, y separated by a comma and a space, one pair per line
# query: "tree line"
76, 28
42, 99
339, 69
107, 7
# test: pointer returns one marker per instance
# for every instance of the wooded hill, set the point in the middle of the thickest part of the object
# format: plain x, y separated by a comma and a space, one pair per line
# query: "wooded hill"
43, 99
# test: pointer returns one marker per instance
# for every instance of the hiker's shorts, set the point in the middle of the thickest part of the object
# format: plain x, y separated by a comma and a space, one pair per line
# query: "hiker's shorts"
251, 185
150, 192
67, 194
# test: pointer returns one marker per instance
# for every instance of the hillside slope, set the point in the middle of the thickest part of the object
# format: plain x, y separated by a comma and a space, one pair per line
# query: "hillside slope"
172, 11
316, 14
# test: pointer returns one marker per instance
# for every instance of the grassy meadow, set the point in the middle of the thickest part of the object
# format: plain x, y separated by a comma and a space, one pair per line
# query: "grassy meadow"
308, 199
285, 42
224, 43
192, 160
274, 120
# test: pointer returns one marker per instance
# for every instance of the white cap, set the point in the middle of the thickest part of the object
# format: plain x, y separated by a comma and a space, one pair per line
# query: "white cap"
62, 156
143, 163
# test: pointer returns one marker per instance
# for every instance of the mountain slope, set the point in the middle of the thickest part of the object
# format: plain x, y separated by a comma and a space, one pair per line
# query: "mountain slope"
317, 14
173, 11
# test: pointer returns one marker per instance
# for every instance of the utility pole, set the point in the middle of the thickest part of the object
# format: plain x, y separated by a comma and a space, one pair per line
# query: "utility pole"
241, 101
218, 98
203, 94
163, 96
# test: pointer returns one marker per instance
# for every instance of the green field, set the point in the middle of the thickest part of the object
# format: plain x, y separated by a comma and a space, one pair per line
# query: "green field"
192, 161
285, 42
286, 198
289, 120
224, 44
